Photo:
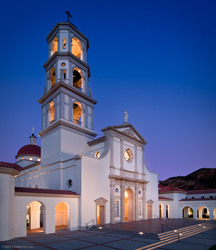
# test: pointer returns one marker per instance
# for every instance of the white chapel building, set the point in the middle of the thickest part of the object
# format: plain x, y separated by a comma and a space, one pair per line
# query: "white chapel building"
76, 180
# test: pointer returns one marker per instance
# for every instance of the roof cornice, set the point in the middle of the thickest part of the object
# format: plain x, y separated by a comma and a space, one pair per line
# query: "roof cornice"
65, 54
69, 125
70, 26
68, 87
98, 140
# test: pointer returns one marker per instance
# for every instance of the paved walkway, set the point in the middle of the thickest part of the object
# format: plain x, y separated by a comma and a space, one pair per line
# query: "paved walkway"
193, 235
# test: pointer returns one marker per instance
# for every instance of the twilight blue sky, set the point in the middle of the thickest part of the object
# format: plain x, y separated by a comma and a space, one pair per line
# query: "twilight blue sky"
155, 58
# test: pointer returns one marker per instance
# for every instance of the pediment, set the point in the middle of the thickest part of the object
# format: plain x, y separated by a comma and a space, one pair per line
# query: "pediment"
128, 130
100, 201
150, 202
131, 131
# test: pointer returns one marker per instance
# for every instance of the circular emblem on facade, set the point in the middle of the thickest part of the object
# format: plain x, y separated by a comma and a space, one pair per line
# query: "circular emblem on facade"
63, 64
69, 183
116, 190
128, 155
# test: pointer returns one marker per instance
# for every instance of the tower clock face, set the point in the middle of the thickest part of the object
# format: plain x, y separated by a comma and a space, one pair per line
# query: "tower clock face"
128, 155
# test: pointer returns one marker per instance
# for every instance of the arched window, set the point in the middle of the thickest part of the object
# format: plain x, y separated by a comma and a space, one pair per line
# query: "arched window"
77, 113
51, 112
76, 48
54, 46
63, 43
77, 78
52, 76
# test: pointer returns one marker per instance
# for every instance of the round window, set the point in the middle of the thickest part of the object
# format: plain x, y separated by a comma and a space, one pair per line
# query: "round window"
128, 155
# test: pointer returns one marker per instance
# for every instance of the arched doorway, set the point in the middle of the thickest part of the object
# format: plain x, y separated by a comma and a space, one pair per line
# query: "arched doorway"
128, 205
161, 211
61, 215
149, 209
202, 213
187, 212
167, 211
214, 214
35, 217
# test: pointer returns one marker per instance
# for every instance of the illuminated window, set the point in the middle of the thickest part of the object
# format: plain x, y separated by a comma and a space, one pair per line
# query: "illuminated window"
30, 158
64, 43
97, 155
39, 159
76, 47
22, 158
77, 113
54, 46
77, 78
51, 112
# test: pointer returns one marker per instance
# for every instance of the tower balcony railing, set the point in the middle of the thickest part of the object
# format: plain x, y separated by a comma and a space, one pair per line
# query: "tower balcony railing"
78, 122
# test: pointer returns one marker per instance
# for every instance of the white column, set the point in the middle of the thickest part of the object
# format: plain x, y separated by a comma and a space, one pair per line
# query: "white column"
49, 221
136, 202
144, 202
112, 201
211, 215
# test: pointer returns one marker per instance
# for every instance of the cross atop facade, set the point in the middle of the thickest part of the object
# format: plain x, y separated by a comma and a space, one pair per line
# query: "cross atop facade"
69, 15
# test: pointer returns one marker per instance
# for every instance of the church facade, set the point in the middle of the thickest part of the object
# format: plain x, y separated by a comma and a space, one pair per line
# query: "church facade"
75, 179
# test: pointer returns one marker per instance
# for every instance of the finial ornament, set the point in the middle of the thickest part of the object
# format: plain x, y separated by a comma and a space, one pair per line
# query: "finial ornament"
69, 15
126, 116
32, 130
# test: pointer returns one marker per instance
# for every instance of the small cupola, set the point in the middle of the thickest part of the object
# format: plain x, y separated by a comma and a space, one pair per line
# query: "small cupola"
33, 138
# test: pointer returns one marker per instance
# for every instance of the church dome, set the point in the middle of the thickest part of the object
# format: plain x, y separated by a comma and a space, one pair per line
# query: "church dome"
29, 150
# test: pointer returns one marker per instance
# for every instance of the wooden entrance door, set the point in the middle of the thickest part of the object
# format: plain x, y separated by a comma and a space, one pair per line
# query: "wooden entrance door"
149, 211
101, 215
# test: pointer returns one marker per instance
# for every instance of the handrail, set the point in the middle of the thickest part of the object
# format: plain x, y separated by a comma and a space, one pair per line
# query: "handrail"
171, 230
90, 222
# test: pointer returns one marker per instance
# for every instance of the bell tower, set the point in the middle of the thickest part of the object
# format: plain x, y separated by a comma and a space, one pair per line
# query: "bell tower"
67, 106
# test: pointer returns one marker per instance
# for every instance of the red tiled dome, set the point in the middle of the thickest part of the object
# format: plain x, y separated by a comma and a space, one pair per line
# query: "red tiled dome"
32, 150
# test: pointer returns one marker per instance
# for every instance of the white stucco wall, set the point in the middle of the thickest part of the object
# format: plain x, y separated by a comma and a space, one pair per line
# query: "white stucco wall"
95, 184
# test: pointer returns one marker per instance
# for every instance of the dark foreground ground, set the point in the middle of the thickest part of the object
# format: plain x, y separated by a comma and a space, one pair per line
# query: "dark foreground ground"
149, 234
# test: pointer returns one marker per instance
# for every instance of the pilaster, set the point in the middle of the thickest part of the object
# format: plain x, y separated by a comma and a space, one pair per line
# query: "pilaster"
122, 187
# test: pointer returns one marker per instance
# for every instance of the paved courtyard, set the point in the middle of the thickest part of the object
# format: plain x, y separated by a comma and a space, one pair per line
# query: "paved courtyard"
149, 234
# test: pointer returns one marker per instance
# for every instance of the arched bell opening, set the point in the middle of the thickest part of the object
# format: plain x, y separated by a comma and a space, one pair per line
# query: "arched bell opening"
77, 79
54, 46
51, 112
52, 77
77, 113
76, 48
